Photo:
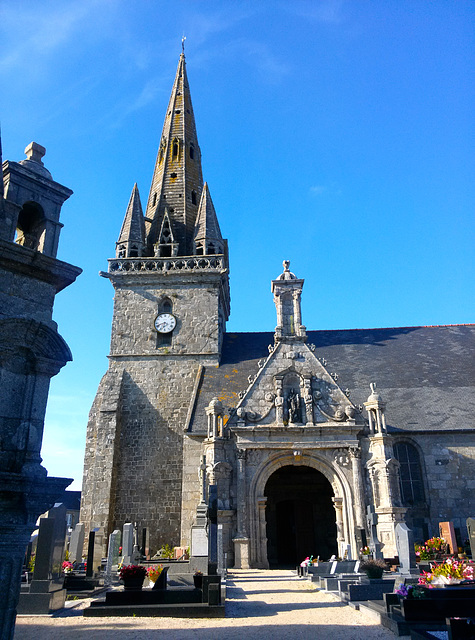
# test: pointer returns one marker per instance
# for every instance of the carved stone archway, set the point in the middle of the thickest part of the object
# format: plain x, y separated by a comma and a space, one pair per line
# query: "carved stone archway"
342, 500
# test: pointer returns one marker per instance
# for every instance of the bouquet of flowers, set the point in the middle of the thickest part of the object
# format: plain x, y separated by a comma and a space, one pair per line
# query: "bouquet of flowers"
131, 571
67, 566
449, 572
365, 551
154, 572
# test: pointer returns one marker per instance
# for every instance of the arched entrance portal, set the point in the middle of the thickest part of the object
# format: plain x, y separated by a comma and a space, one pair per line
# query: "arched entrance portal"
300, 516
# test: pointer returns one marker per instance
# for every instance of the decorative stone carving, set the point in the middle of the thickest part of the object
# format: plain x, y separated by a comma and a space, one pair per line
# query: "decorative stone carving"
341, 457
293, 407
269, 397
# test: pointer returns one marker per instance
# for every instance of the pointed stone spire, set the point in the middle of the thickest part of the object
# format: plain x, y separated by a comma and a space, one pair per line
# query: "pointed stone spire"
177, 180
131, 242
207, 238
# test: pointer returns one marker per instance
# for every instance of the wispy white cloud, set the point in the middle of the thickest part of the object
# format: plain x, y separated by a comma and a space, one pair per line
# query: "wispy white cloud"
317, 189
31, 35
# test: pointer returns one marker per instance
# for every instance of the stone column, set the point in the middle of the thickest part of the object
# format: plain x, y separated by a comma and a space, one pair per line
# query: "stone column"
355, 455
241, 540
262, 560
340, 535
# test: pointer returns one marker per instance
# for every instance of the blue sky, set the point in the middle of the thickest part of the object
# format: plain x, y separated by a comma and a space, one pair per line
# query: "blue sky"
337, 134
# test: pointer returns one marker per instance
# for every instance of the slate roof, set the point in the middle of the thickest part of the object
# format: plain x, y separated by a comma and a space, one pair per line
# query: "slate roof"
426, 375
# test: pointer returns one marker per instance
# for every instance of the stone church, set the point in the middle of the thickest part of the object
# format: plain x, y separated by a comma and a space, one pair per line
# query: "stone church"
302, 432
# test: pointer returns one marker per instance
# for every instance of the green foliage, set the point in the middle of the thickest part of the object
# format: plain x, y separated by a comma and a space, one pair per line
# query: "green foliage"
167, 552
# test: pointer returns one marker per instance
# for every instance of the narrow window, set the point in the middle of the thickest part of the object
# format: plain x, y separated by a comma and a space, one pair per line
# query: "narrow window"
192, 152
175, 149
134, 252
193, 197
410, 474
154, 201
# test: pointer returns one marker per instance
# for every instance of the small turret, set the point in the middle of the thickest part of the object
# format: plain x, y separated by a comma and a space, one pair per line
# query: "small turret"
131, 242
207, 237
287, 289
375, 408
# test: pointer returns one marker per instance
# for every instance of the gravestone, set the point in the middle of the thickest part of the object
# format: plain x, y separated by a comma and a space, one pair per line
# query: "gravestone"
405, 549
93, 561
76, 543
112, 556
221, 564
46, 591
212, 529
374, 544
471, 535
127, 542
145, 548
447, 532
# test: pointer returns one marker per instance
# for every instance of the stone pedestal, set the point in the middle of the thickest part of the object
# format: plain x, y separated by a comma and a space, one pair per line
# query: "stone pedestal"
241, 553
22, 500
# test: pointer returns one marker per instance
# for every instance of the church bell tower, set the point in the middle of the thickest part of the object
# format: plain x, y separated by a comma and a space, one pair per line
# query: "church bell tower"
171, 304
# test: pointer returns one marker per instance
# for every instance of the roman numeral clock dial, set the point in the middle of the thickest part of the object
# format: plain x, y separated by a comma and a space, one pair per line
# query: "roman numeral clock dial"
165, 322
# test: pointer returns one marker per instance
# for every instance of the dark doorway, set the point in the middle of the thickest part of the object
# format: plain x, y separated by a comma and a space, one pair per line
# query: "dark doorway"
300, 516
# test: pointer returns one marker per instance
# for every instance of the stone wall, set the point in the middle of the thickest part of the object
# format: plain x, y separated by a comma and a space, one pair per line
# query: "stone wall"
449, 465
134, 449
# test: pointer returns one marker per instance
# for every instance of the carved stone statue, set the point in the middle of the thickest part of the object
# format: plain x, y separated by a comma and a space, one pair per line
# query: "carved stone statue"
293, 404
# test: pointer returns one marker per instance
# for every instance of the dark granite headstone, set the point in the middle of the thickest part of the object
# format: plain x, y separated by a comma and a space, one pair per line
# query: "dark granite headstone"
90, 554
50, 545
212, 529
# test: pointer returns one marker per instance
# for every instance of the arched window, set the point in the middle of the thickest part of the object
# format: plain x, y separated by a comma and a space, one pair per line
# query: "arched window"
31, 226
175, 149
193, 197
192, 151
410, 474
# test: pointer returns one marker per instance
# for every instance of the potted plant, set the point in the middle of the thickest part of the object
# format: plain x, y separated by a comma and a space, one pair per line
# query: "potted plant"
133, 575
154, 572
373, 568
198, 579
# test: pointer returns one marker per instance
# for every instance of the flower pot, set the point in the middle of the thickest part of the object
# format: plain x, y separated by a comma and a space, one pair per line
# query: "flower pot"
133, 584
198, 582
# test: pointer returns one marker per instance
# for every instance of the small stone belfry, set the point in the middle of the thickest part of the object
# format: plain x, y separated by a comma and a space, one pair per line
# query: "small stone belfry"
31, 353
287, 290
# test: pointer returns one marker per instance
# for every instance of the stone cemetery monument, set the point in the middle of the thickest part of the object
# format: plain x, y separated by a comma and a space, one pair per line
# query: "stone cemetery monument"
374, 544
471, 535
45, 592
212, 529
447, 532
127, 542
199, 530
76, 543
112, 556
94, 555
405, 550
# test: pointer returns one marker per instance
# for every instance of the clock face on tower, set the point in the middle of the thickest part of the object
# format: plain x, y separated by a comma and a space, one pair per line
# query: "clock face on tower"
165, 322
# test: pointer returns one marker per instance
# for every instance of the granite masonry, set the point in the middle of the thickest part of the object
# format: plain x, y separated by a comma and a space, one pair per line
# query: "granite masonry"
298, 432
31, 352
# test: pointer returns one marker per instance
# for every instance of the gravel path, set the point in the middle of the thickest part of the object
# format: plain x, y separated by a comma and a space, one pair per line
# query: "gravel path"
268, 605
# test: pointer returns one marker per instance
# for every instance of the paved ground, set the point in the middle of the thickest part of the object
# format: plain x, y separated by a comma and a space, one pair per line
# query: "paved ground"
267, 605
